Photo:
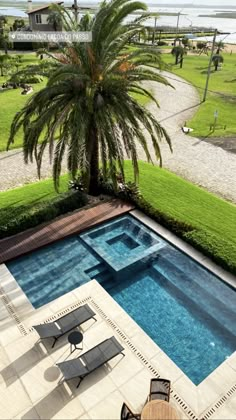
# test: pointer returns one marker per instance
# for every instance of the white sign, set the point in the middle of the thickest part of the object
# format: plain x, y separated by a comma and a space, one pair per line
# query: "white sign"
20, 36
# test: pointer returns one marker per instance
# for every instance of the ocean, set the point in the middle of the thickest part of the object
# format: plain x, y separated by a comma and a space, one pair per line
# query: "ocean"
189, 17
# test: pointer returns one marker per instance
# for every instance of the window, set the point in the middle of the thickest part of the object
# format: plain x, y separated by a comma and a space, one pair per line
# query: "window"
38, 19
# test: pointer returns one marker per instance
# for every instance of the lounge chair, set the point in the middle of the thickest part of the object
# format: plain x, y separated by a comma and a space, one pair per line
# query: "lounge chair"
91, 360
66, 323
159, 389
127, 414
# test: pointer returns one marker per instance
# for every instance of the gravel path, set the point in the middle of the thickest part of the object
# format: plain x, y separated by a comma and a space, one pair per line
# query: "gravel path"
200, 162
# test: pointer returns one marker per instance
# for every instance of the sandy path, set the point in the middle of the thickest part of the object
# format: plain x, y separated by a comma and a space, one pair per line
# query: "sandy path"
203, 164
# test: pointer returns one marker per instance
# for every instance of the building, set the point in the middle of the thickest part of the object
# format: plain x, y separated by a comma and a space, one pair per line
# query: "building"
38, 18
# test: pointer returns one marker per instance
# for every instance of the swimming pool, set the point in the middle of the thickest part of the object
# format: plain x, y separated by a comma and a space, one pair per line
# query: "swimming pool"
184, 308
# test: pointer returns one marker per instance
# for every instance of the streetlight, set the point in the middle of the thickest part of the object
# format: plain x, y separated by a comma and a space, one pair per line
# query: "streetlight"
190, 22
209, 66
210, 61
177, 25
154, 32
75, 7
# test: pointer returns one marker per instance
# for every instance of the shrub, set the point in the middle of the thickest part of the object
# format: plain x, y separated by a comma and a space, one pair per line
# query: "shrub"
209, 244
162, 43
27, 78
18, 219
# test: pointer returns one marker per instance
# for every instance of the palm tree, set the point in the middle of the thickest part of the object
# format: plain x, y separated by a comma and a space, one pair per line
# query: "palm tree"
55, 19
217, 59
88, 107
178, 52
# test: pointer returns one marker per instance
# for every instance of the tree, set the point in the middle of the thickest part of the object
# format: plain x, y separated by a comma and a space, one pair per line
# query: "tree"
217, 59
18, 23
55, 19
4, 42
202, 47
219, 47
4, 59
3, 21
185, 42
88, 109
178, 52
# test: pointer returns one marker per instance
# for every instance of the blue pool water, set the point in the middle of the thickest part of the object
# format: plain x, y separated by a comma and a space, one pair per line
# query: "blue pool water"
184, 308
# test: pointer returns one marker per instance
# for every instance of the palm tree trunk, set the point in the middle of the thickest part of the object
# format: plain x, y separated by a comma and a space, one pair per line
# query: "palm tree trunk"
93, 187
76, 10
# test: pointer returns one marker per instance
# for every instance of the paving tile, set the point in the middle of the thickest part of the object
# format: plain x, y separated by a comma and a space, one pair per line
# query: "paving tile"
28, 414
124, 368
60, 403
187, 391
14, 399
95, 388
164, 364
136, 389
109, 408
41, 379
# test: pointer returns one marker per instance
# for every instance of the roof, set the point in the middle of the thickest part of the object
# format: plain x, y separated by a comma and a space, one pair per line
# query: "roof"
46, 6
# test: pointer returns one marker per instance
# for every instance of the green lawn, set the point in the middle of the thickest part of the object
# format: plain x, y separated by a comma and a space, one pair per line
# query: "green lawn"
212, 219
32, 193
195, 71
12, 101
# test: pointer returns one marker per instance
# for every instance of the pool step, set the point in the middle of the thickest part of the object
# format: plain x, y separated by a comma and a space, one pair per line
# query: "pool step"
96, 269
100, 272
197, 274
200, 296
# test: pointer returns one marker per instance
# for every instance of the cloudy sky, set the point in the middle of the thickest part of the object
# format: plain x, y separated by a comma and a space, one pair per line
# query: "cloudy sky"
195, 2
210, 3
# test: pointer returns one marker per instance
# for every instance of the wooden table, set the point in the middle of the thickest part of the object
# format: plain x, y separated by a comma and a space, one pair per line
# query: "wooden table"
159, 410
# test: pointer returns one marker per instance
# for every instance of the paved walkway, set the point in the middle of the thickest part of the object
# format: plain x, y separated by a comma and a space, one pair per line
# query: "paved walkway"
193, 159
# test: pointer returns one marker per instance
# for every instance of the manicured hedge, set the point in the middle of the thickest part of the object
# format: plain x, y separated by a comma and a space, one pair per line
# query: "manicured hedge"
17, 219
206, 242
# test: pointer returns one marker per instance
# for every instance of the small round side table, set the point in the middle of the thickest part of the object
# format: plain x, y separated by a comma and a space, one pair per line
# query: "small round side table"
74, 338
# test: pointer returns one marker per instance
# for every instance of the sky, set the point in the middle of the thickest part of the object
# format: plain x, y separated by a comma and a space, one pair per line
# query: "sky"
156, 2
196, 2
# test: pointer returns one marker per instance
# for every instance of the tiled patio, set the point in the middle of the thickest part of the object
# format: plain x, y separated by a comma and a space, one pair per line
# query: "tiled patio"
29, 378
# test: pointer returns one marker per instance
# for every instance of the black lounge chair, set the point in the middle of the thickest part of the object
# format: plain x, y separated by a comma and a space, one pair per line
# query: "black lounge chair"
66, 323
91, 360
127, 414
159, 389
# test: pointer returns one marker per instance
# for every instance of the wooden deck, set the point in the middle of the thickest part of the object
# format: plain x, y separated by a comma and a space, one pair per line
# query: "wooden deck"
34, 238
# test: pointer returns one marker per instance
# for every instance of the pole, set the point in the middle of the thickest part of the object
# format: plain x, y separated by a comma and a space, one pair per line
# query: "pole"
209, 66
177, 25
76, 10
154, 32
